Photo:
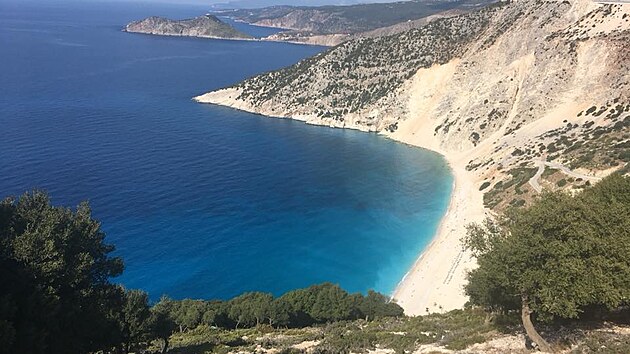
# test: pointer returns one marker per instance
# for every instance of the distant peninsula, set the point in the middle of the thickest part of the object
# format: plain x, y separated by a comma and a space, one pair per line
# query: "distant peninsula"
207, 26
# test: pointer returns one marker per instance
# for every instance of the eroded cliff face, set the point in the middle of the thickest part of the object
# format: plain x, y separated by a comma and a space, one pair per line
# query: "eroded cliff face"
507, 88
552, 89
203, 26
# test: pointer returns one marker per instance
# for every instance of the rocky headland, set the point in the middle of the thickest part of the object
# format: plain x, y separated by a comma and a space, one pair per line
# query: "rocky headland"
207, 26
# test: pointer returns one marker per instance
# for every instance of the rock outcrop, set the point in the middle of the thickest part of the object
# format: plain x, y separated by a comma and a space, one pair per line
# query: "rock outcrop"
207, 26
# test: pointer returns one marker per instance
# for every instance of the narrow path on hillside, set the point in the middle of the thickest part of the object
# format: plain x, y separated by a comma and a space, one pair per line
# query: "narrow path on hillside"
535, 180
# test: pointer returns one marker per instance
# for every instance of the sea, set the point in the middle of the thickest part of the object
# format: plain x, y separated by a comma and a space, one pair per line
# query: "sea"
202, 201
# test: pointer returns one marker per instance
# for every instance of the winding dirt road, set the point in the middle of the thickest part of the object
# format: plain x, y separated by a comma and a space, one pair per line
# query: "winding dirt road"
535, 181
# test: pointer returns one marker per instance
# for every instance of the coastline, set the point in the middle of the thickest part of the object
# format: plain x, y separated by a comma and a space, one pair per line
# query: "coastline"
436, 279
252, 39
264, 39
435, 282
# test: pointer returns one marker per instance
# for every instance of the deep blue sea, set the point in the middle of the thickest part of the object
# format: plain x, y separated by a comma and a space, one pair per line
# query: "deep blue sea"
201, 201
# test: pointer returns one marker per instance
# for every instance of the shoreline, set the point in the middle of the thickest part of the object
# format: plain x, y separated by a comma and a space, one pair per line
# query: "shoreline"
435, 281
253, 39
244, 39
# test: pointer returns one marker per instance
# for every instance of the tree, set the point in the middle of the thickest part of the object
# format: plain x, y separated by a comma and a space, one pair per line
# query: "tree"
134, 318
280, 315
558, 258
331, 303
318, 304
376, 305
161, 322
188, 313
250, 309
216, 314
55, 295
22, 323
299, 303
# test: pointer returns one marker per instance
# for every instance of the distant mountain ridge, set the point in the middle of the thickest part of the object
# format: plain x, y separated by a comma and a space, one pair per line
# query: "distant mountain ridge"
207, 26
349, 19
254, 4
336, 39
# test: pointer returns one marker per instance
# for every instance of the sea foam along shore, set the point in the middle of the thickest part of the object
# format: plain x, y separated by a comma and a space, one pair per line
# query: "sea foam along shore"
435, 282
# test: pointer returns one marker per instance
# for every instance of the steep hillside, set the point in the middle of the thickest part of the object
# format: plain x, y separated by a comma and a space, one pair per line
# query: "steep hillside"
338, 38
348, 79
324, 20
508, 85
203, 26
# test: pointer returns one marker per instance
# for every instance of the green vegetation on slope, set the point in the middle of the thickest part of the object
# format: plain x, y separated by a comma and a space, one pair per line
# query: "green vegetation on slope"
454, 330
563, 257
357, 74
471, 330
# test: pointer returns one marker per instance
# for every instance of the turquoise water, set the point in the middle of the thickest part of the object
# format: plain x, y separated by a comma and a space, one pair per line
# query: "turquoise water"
202, 201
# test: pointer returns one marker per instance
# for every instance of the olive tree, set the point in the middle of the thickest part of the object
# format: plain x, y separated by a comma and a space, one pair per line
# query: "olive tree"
557, 258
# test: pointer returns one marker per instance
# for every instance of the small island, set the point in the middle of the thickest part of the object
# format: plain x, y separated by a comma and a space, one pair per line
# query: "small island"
207, 26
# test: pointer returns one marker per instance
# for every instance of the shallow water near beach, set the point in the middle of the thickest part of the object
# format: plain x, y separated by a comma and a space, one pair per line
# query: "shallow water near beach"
202, 201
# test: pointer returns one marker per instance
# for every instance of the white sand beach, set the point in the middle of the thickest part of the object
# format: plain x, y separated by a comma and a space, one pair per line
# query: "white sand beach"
435, 282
